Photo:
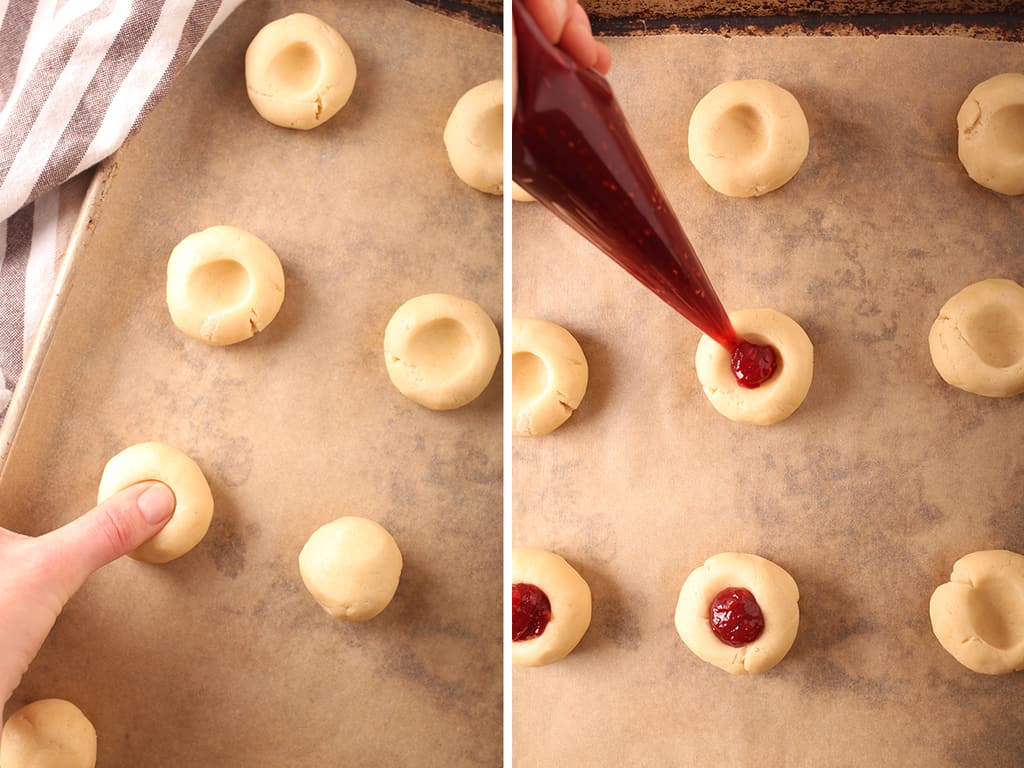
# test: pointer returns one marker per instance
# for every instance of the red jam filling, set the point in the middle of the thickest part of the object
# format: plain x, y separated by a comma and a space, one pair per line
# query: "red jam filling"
531, 612
736, 617
753, 364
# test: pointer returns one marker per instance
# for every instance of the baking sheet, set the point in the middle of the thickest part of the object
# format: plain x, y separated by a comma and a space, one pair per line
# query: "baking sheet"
867, 495
222, 658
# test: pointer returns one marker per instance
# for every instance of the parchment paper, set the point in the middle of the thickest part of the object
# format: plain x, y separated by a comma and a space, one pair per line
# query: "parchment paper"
867, 495
222, 658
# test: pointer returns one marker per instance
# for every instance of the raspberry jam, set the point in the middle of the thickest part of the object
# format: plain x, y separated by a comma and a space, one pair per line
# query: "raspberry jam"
753, 364
736, 617
531, 611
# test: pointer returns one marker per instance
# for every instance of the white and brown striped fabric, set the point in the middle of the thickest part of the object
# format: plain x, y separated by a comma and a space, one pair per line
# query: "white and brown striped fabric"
77, 77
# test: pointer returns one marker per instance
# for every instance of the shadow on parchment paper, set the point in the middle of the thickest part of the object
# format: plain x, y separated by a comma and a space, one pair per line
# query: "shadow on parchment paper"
614, 620
600, 376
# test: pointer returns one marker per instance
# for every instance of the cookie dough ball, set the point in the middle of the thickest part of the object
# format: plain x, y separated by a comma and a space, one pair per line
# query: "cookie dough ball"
978, 615
351, 566
748, 137
977, 341
51, 733
739, 612
550, 607
299, 72
193, 507
778, 397
990, 128
474, 140
549, 376
224, 285
441, 350
521, 195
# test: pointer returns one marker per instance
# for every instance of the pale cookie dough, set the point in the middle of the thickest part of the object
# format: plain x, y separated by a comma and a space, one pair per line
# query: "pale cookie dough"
569, 596
978, 615
351, 566
224, 285
299, 72
193, 508
473, 137
549, 376
773, 588
779, 396
977, 341
748, 137
51, 733
521, 195
441, 350
990, 128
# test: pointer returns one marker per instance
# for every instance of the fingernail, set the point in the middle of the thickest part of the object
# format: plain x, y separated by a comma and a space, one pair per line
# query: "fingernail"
156, 503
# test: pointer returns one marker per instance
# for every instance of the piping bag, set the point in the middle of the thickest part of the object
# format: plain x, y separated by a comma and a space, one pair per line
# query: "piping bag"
572, 149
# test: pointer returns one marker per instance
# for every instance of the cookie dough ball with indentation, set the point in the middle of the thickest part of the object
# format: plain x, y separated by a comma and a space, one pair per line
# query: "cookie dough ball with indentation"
748, 137
474, 140
990, 128
977, 341
51, 733
351, 566
778, 397
739, 612
441, 350
978, 615
224, 285
299, 72
549, 376
193, 501
550, 607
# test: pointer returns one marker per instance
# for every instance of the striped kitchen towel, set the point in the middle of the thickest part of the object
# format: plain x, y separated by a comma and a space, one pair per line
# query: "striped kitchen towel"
77, 77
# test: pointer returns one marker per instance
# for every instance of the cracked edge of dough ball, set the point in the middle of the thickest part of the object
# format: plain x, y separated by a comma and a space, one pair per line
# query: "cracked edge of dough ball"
475, 148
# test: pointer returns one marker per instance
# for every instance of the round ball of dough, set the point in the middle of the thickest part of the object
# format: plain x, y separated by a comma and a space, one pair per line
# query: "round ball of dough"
299, 72
193, 507
521, 195
748, 137
51, 733
773, 588
224, 285
569, 598
549, 376
977, 341
474, 140
990, 128
779, 396
351, 566
441, 350
978, 615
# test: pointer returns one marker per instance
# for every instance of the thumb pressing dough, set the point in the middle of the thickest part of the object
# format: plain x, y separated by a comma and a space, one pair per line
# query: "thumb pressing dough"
193, 508
474, 140
549, 376
51, 733
299, 72
990, 128
351, 566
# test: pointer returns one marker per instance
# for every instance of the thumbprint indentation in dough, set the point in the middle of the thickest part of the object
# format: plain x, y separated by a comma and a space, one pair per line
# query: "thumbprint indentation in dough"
740, 133
1008, 129
996, 334
530, 377
296, 68
219, 286
442, 347
990, 606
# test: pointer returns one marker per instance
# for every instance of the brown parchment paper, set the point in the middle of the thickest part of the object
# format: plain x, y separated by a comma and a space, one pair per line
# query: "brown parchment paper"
867, 495
222, 658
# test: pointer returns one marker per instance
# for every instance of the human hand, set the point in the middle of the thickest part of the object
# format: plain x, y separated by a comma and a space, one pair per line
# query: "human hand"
565, 24
39, 575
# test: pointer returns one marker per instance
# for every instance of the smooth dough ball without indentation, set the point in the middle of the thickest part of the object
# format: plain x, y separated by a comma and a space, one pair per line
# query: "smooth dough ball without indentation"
193, 501
990, 128
51, 733
299, 72
549, 376
351, 566
224, 285
977, 341
748, 137
978, 615
441, 350
474, 140
777, 398
776, 594
569, 597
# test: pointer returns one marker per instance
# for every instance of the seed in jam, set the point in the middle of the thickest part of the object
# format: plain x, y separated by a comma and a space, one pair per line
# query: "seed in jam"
753, 364
736, 617
531, 611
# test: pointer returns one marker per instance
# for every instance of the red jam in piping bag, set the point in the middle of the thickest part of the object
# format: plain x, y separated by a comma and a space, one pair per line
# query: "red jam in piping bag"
573, 150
